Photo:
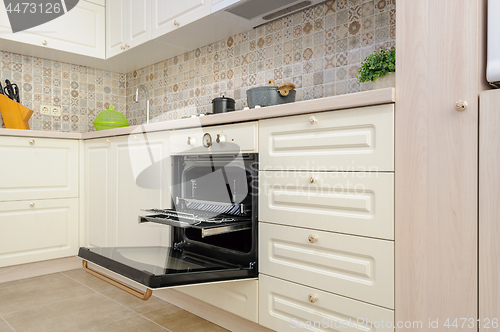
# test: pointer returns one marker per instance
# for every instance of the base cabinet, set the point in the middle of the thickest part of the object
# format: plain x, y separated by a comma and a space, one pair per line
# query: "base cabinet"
286, 306
38, 230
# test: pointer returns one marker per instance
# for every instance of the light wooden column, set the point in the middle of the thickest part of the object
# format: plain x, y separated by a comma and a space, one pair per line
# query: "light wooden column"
489, 208
439, 61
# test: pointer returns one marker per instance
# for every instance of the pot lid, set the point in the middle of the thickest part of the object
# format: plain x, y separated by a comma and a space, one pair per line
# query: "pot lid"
222, 99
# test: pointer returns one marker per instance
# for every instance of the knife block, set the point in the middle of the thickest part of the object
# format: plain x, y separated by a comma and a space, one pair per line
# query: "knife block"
15, 115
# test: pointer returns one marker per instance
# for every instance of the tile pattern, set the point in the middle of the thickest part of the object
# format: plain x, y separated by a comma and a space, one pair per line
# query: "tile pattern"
76, 301
82, 92
318, 49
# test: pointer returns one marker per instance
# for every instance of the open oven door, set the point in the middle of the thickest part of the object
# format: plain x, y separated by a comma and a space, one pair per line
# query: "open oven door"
213, 224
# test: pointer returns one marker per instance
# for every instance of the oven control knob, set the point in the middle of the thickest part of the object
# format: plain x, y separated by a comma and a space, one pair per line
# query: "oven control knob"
221, 139
191, 141
207, 140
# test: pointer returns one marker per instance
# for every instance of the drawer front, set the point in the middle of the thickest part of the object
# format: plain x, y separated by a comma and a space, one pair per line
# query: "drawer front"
38, 230
239, 137
349, 202
356, 267
238, 297
360, 139
285, 306
36, 168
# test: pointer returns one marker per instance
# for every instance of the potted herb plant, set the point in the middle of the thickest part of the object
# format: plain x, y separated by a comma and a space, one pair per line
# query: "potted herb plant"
379, 68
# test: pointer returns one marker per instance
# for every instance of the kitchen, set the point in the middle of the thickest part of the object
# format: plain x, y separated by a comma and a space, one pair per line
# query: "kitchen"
416, 224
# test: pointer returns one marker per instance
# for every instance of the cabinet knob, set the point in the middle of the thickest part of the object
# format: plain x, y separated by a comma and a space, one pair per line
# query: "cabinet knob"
32, 205
108, 141
312, 238
460, 105
176, 23
312, 179
127, 46
122, 47
32, 142
313, 298
191, 141
44, 43
312, 120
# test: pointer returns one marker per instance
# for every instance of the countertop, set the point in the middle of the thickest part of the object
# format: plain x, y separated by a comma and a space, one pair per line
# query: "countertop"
359, 99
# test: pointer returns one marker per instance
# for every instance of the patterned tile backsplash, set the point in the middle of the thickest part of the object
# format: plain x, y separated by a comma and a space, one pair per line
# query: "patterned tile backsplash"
318, 49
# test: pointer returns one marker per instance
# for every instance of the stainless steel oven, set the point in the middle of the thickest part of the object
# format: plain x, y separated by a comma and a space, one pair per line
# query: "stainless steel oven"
214, 215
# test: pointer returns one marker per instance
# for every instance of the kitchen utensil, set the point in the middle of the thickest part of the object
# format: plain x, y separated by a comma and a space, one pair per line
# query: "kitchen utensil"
110, 119
15, 115
1, 89
11, 91
271, 94
223, 105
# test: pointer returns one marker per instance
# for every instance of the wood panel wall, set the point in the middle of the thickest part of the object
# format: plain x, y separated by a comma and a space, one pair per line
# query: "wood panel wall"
439, 60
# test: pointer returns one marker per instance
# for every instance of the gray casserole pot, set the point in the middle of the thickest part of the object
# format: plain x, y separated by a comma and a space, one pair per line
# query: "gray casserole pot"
271, 95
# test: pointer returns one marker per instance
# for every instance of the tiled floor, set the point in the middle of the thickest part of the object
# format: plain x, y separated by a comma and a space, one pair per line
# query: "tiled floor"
76, 301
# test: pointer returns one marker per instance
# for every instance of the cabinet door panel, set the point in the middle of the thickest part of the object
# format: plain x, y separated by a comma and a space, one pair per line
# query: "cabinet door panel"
139, 21
38, 168
38, 230
352, 266
359, 140
185, 12
284, 305
345, 202
116, 26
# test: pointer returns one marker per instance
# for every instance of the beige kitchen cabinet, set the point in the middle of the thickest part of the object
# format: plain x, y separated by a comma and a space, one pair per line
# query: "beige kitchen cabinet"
120, 180
286, 306
352, 266
359, 203
359, 140
80, 31
37, 230
38, 168
169, 15
128, 24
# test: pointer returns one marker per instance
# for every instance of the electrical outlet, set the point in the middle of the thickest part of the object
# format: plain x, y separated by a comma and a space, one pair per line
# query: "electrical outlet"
45, 109
55, 111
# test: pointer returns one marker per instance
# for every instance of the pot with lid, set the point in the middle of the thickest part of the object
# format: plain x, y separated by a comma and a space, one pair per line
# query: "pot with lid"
223, 105
271, 94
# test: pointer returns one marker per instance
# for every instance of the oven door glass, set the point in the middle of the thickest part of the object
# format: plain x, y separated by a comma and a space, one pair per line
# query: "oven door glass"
161, 267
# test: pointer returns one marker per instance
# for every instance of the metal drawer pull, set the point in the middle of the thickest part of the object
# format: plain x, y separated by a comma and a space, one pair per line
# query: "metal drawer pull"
312, 179
32, 142
115, 283
312, 238
32, 205
313, 298
460, 105
313, 120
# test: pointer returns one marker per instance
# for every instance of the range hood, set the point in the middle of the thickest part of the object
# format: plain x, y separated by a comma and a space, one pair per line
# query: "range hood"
252, 13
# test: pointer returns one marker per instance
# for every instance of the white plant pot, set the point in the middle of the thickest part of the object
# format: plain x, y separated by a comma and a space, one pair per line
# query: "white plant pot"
386, 81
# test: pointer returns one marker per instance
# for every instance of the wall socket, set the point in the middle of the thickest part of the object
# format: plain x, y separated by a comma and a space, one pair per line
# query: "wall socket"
50, 110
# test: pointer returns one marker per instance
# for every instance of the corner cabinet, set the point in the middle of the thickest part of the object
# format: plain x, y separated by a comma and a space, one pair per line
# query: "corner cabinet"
38, 199
79, 31
115, 192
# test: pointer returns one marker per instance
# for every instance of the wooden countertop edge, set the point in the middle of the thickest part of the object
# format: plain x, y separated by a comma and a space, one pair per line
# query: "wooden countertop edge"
359, 99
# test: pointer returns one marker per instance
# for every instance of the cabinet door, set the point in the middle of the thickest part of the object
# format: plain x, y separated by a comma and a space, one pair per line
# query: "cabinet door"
184, 12
98, 212
116, 26
286, 306
140, 181
353, 266
38, 230
139, 22
80, 31
37, 168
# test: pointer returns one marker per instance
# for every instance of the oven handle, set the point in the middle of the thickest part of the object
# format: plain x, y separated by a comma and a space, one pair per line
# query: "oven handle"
115, 283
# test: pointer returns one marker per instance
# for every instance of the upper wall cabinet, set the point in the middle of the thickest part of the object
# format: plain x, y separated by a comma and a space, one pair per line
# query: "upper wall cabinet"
80, 31
128, 24
171, 14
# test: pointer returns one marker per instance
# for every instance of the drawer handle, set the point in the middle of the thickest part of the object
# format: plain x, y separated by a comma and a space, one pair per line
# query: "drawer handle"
312, 179
312, 238
313, 120
32, 205
32, 142
313, 298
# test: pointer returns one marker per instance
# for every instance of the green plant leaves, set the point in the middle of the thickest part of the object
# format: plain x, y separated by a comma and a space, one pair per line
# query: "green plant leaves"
377, 65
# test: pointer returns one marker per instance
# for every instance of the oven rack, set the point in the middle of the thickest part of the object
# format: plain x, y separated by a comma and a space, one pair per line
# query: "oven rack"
214, 207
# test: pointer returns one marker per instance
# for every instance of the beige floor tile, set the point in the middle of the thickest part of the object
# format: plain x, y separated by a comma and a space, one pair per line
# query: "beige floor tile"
181, 321
132, 302
133, 324
76, 314
4, 327
88, 280
32, 292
